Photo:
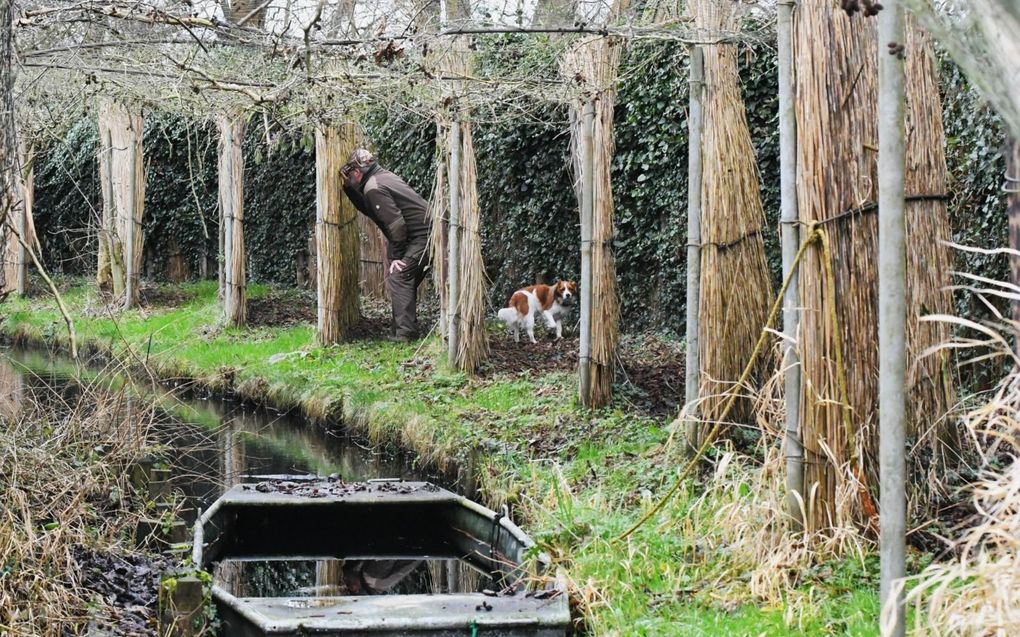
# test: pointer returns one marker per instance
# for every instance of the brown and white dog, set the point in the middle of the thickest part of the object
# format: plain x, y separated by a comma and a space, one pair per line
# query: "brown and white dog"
552, 301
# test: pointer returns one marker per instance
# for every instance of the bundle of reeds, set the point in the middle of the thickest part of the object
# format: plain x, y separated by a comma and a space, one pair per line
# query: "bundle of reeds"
837, 189
594, 63
336, 235
472, 343
231, 196
439, 211
929, 264
122, 177
736, 289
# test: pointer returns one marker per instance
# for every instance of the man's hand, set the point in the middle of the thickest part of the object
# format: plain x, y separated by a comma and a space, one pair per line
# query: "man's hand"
397, 266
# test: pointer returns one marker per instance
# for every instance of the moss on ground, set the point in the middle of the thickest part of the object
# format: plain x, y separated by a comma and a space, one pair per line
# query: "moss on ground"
576, 480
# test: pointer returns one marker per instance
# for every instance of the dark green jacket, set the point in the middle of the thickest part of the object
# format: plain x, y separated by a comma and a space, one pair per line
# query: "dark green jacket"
401, 214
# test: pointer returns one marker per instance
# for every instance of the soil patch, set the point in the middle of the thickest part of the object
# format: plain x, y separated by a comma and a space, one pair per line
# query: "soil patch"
164, 296
281, 309
652, 378
653, 373
129, 584
506, 356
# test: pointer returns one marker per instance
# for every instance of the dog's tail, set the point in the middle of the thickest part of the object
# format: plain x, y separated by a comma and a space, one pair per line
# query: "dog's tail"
508, 315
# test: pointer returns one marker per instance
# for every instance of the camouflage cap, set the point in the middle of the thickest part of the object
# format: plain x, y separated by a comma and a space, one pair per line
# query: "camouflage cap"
361, 158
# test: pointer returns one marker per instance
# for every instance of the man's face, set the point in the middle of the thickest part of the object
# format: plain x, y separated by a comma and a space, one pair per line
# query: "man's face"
351, 175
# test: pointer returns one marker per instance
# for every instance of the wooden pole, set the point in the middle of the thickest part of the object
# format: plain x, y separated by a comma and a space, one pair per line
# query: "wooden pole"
454, 257
587, 222
1012, 187
27, 185
231, 192
131, 222
790, 243
892, 317
694, 124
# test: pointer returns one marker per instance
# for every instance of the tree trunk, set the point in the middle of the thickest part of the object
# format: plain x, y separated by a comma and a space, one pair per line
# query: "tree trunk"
26, 223
8, 143
231, 188
336, 236
122, 179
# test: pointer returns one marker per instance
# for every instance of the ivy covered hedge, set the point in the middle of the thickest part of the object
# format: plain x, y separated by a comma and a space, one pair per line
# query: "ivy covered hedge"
529, 210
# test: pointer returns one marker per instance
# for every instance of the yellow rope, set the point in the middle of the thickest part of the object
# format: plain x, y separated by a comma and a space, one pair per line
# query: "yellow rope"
844, 394
814, 234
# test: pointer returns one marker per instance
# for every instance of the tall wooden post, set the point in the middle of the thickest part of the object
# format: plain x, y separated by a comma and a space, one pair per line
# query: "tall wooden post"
26, 228
694, 126
453, 312
231, 195
1012, 187
892, 317
790, 232
587, 219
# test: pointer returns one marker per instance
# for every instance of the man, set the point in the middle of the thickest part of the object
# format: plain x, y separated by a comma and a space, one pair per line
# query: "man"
403, 217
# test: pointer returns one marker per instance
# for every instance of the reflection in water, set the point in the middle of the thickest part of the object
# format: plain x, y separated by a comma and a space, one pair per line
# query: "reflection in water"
212, 443
325, 578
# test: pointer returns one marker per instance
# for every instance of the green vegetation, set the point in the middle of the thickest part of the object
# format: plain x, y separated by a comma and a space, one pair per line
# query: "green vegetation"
575, 480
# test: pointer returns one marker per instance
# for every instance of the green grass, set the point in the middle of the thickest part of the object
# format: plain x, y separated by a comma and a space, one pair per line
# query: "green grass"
575, 480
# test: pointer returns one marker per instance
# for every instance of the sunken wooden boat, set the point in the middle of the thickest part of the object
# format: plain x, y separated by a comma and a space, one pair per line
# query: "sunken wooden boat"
398, 558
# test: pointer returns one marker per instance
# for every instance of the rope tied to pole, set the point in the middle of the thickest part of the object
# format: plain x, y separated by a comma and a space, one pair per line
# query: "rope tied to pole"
814, 234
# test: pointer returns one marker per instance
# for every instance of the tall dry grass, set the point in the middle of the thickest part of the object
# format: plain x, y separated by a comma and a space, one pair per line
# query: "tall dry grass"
739, 516
976, 591
64, 491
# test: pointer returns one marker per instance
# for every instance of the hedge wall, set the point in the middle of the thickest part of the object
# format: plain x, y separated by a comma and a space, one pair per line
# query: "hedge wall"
528, 207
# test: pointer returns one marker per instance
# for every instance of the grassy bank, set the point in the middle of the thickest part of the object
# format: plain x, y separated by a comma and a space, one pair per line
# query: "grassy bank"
576, 480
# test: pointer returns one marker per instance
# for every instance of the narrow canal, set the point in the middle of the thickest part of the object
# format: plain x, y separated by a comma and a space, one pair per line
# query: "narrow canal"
210, 444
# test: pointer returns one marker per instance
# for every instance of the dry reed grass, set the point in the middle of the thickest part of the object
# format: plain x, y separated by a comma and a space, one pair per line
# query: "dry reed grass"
976, 591
439, 210
837, 182
336, 234
594, 64
740, 517
64, 491
122, 179
736, 289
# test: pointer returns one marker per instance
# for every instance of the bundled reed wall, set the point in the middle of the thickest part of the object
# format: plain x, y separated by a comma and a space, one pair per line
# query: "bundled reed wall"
837, 189
122, 177
439, 210
736, 290
595, 64
472, 343
336, 236
231, 197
